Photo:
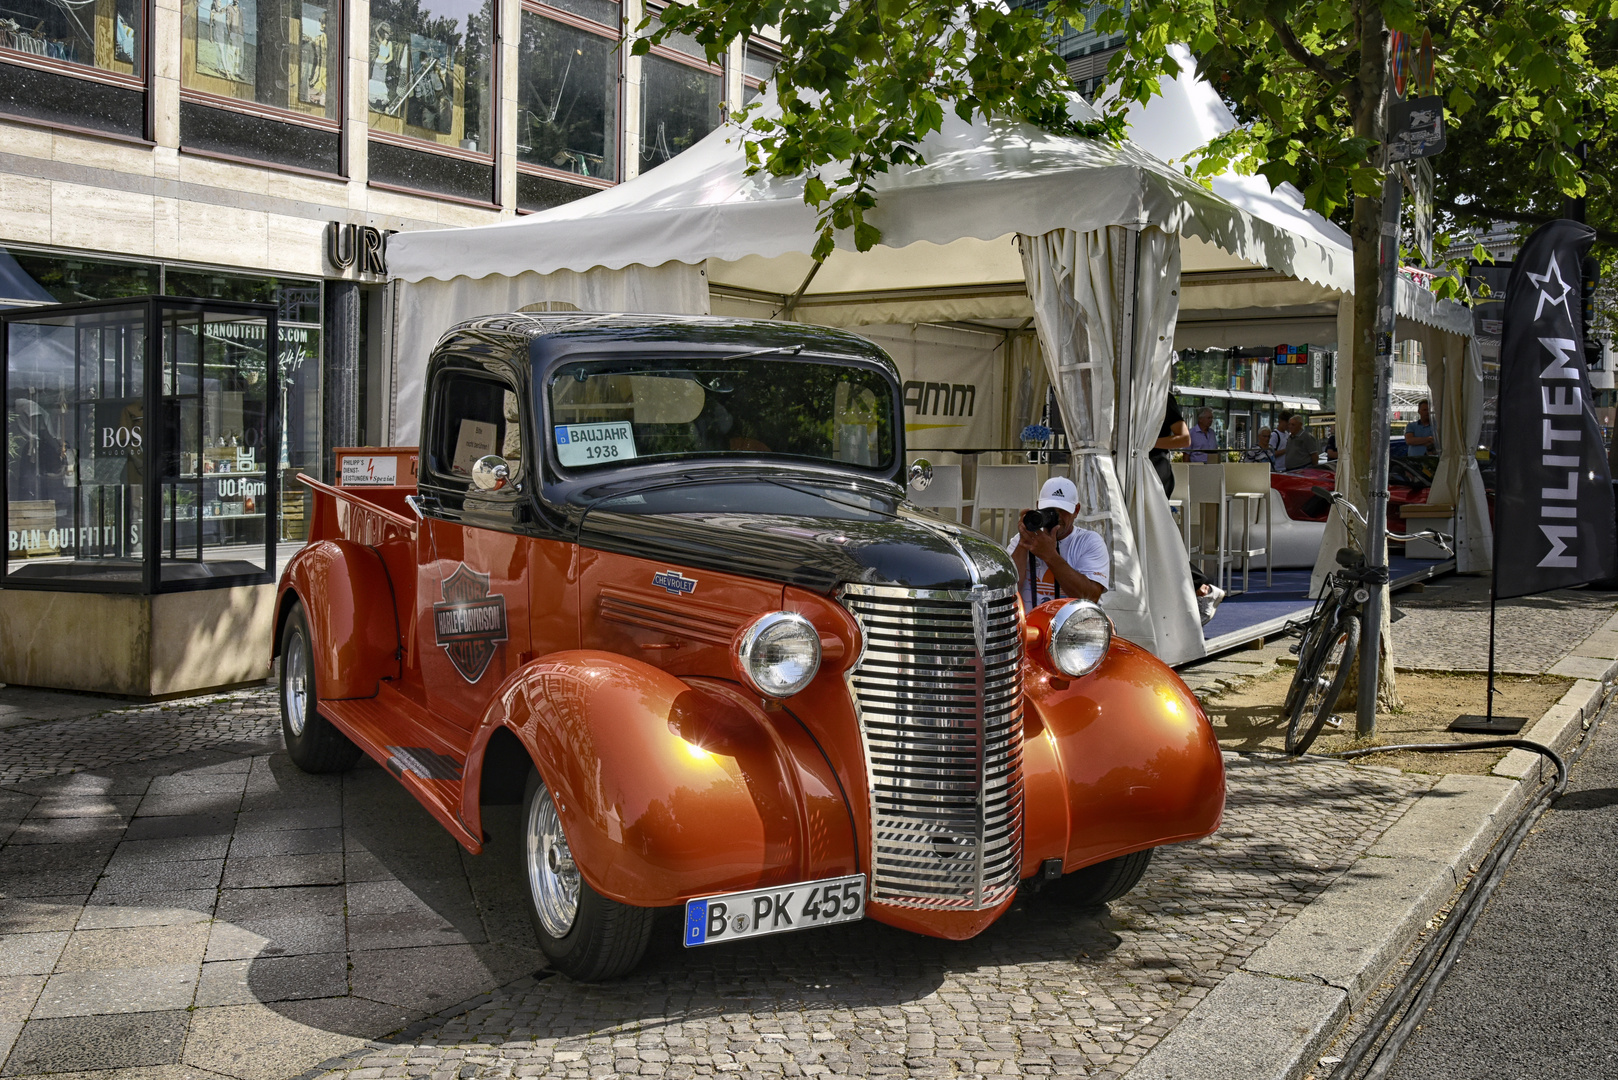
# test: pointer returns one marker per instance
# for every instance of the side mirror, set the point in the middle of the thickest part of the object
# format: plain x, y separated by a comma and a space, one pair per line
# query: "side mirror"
490, 473
921, 474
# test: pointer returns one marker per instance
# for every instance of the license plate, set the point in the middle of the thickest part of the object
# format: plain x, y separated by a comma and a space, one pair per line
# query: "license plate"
735, 916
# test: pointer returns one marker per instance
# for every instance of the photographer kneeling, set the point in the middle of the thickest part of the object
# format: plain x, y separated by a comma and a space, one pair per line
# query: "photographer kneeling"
1065, 561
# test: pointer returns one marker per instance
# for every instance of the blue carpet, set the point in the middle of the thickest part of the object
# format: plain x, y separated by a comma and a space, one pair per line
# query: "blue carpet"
1288, 598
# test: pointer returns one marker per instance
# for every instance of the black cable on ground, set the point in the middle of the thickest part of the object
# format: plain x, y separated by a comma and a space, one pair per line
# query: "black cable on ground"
1426, 974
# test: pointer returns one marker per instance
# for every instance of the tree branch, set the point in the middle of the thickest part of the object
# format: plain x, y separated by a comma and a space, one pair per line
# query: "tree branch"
1489, 213
1294, 47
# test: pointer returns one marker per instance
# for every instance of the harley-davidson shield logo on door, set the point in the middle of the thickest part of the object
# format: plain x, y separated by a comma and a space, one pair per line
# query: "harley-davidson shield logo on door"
470, 623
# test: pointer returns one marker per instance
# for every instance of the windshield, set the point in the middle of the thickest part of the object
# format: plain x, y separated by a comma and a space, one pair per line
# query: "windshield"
608, 412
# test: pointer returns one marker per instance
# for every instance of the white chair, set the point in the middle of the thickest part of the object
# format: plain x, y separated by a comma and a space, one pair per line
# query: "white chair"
1181, 502
944, 493
1205, 505
1007, 489
1247, 486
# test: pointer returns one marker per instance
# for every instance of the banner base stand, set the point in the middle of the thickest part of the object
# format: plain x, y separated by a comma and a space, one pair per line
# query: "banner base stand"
1489, 725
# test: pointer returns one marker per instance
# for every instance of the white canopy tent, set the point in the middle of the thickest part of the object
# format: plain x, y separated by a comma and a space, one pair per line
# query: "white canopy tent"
1188, 115
1092, 241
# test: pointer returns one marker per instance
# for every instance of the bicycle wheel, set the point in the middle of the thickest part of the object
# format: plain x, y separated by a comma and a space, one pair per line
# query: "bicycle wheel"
1314, 636
1323, 683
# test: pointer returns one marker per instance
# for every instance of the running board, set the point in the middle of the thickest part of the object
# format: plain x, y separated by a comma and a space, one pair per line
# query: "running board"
429, 770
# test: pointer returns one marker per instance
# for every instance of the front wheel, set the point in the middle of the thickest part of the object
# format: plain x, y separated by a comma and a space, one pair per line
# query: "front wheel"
583, 934
1095, 885
1321, 683
313, 743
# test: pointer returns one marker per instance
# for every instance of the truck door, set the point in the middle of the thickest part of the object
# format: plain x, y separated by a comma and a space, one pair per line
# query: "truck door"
472, 586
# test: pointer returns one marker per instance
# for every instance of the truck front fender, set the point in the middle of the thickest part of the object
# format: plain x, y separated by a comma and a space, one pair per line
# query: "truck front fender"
348, 599
1120, 760
669, 788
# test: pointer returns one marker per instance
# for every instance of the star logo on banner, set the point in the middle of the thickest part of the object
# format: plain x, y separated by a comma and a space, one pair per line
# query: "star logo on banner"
1543, 281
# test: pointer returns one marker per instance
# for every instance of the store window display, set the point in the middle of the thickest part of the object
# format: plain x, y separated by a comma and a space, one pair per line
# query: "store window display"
429, 73
567, 96
102, 34
278, 53
121, 478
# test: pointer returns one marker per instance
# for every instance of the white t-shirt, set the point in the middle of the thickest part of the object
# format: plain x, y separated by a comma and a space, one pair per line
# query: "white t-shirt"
1081, 549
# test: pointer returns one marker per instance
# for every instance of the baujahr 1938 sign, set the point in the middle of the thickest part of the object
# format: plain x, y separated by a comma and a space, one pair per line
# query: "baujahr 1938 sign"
1553, 495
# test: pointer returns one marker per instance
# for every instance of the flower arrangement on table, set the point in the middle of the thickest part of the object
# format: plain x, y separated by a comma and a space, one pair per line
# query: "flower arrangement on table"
1036, 437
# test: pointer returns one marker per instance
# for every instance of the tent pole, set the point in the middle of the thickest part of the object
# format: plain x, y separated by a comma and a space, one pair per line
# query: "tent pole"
1124, 444
792, 301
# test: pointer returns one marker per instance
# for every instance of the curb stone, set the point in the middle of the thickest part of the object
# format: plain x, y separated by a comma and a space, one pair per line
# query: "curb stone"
1269, 1019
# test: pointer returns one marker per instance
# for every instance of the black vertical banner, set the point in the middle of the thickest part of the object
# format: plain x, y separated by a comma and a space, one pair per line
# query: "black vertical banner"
1553, 496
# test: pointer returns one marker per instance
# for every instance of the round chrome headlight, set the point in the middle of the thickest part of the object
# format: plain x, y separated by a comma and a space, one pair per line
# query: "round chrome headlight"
778, 654
1081, 634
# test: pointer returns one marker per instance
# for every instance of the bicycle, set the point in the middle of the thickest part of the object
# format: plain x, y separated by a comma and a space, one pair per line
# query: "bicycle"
1331, 635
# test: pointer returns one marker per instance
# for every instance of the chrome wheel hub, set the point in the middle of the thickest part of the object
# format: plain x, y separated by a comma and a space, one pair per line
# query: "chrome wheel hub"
553, 879
295, 684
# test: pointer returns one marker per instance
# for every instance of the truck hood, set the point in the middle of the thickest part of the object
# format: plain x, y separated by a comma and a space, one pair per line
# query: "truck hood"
815, 537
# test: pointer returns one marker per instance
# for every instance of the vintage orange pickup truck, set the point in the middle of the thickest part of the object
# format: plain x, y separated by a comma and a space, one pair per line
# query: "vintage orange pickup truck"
657, 580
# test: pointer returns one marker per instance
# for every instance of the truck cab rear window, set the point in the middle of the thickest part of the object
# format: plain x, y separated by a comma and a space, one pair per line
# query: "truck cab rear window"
476, 417
606, 412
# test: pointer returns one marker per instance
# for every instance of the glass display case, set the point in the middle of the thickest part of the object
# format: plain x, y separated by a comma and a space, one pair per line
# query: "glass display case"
142, 439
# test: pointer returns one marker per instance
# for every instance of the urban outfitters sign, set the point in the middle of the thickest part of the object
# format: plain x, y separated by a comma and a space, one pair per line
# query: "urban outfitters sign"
357, 247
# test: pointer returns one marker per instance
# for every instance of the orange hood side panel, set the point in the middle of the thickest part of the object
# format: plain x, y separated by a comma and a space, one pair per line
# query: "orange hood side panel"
1135, 756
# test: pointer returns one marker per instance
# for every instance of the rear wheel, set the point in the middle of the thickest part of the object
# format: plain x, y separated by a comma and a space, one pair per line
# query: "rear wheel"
583, 934
313, 743
1322, 683
1103, 882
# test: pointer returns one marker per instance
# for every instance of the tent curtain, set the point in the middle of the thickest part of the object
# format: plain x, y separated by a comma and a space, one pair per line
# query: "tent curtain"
424, 310
1084, 290
1455, 380
1026, 382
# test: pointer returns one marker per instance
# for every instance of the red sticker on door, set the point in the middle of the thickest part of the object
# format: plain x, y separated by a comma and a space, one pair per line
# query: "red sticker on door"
470, 623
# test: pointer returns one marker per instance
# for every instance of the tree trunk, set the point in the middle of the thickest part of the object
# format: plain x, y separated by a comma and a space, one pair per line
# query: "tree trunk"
1354, 447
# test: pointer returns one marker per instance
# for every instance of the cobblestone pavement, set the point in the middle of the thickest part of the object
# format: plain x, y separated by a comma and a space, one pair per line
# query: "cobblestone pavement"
1446, 626
201, 908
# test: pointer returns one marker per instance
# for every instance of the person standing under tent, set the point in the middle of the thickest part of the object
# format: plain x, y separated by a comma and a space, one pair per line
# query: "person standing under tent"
1419, 438
1173, 435
1203, 436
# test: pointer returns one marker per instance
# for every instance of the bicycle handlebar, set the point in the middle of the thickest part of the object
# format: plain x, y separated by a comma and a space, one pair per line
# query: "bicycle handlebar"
1340, 500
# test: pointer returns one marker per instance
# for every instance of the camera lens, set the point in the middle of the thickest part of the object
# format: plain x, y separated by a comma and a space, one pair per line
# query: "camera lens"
1040, 520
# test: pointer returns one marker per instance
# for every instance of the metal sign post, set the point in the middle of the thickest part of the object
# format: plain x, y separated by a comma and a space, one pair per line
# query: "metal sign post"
1376, 532
1415, 130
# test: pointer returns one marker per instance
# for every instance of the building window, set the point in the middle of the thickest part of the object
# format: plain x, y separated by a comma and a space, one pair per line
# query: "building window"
106, 36
431, 71
567, 97
682, 96
284, 54
758, 64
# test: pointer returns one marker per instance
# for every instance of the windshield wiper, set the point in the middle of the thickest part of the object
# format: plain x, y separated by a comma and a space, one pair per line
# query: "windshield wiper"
829, 495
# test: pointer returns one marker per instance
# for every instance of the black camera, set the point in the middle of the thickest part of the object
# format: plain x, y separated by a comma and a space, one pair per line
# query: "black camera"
1041, 520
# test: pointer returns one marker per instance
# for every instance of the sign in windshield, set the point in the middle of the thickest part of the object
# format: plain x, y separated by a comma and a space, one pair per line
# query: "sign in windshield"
612, 411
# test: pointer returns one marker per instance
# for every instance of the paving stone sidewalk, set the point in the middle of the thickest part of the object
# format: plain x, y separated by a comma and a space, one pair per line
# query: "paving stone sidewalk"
1444, 627
188, 904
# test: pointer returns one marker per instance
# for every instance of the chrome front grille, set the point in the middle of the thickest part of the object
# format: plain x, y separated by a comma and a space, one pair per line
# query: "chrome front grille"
939, 691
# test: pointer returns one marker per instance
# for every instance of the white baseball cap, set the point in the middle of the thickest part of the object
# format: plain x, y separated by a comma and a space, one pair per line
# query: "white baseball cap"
1061, 493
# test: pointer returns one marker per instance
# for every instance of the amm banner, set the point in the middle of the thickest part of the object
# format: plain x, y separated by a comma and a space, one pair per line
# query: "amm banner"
951, 381
1553, 495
